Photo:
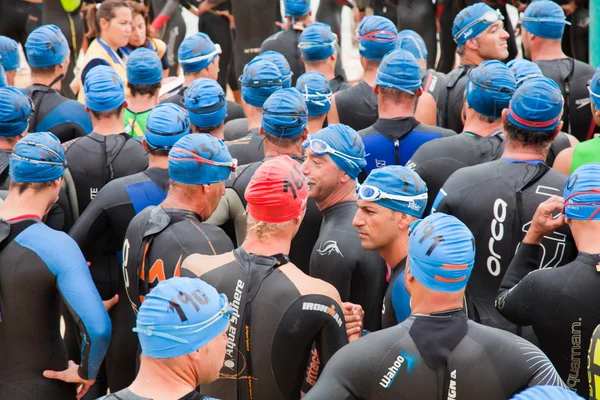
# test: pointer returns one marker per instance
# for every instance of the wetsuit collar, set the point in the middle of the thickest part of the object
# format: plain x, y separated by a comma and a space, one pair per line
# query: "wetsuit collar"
589, 259
276, 260
493, 134
399, 267
513, 161
339, 206
395, 128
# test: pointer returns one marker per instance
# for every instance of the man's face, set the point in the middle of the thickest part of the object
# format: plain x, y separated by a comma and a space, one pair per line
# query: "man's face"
323, 175
492, 42
377, 225
214, 196
212, 357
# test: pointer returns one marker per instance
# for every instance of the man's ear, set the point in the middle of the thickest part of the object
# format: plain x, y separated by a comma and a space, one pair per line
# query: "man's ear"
403, 220
419, 92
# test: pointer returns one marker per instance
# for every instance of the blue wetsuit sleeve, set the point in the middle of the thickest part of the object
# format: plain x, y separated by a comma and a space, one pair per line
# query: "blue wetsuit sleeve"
64, 259
400, 299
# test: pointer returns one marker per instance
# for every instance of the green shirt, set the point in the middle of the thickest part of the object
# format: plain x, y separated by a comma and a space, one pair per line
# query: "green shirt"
585, 153
135, 123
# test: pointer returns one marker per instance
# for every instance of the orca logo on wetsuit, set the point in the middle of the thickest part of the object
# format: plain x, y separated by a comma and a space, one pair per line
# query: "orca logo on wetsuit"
497, 229
329, 247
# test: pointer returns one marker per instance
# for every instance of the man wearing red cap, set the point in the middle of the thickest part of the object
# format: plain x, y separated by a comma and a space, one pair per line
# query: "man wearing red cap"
279, 312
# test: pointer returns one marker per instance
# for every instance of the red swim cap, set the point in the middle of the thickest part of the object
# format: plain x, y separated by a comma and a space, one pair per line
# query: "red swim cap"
278, 191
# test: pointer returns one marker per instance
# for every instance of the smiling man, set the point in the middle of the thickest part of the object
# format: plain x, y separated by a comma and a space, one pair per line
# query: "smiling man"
479, 33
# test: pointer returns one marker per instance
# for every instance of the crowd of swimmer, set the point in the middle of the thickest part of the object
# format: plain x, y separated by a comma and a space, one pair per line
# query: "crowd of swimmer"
415, 236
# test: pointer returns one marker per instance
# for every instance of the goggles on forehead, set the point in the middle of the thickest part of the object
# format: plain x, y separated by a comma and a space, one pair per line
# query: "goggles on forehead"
192, 60
62, 161
489, 17
317, 98
232, 165
372, 193
320, 148
310, 45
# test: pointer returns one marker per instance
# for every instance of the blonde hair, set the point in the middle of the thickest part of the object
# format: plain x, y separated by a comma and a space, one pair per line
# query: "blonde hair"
264, 230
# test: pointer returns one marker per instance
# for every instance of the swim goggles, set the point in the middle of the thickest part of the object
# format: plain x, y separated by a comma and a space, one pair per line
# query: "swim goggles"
232, 165
489, 17
320, 148
52, 152
213, 53
372, 193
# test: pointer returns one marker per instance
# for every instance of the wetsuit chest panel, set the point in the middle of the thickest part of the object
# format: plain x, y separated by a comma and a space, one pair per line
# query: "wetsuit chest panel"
144, 194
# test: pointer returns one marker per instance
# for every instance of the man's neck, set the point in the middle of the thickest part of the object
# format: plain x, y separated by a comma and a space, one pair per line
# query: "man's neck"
328, 72
315, 125
161, 383
108, 126
28, 202
586, 236
46, 81
272, 150
396, 251
7, 146
471, 58
254, 116
370, 76
482, 128
550, 51
156, 161
195, 205
343, 193
275, 245
516, 151
395, 110
428, 302
189, 78
138, 104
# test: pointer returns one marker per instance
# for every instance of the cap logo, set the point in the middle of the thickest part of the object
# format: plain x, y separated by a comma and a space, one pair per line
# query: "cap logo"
468, 33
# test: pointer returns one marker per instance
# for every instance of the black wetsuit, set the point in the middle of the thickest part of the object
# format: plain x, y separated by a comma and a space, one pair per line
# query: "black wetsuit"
156, 243
441, 356
357, 106
43, 269
66, 119
451, 98
580, 31
447, 43
572, 77
396, 302
433, 83
338, 258
95, 160
496, 201
339, 83
559, 303
234, 111
127, 394
419, 15
307, 235
330, 13
14, 19
173, 31
272, 330
248, 149
286, 42
393, 141
385, 8
436, 161
236, 129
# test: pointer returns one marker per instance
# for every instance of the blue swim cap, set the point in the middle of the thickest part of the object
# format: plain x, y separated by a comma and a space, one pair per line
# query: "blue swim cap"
473, 21
285, 114
317, 42
281, 62
144, 67
545, 19
197, 52
594, 88
376, 37
316, 91
345, 140
46, 46
104, 89
524, 69
200, 160
537, 105
3, 81
38, 157
202, 315
296, 8
490, 88
546, 393
441, 253
582, 193
205, 101
9, 50
15, 110
260, 79
412, 42
399, 70
400, 182
166, 124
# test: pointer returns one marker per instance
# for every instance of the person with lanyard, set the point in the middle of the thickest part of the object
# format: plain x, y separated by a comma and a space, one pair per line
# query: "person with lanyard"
144, 77
260, 80
498, 199
582, 153
179, 350
432, 81
479, 32
199, 58
47, 52
100, 230
334, 158
142, 36
523, 70
357, 106
107, 153
329, 13
41, 269
546, 393
437, 352
397, 134
389, 200
110, 23
279, 312
559, 303
543, 25
319, 51
283, 130
10, 58
205, 102
317, 93
488, 92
